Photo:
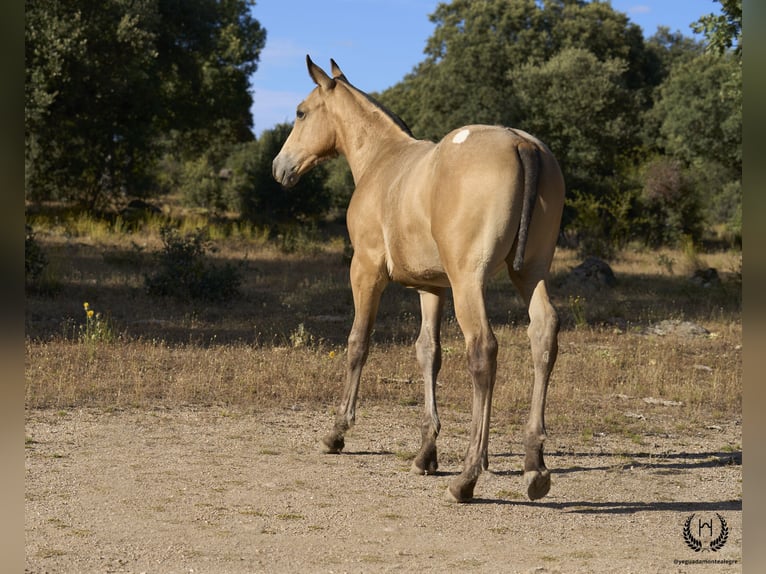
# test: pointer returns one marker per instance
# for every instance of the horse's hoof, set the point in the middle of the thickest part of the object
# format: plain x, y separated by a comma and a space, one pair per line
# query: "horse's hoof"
460, 492
538, 483
333, 444
424, 470
425, 463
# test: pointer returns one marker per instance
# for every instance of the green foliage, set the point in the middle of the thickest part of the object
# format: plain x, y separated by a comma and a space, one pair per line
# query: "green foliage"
150, 97
201, 184
699, 112
581, 108
478, 46
109, 82
598, 225
185, 273
723, 31
697, 120
669, 49
253, 192
670, 205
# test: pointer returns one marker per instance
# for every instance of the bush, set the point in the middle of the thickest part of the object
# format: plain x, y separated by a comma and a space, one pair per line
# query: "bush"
201, 185
670, 204
185, 274
589, 227
601, 226
35, 260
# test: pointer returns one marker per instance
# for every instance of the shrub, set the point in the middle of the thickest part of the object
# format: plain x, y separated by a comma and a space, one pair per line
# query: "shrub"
35, 260
599, 225
185, 274
670, 204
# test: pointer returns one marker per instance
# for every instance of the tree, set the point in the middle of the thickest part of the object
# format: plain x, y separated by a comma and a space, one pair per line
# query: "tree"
582, 109
88, 104
695, 128
669, 49
107, 81
723, 31
698, 120
700, 111
670, 207
468, 74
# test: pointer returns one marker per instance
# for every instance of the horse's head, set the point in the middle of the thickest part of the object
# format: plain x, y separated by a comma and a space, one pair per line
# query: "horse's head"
313, 138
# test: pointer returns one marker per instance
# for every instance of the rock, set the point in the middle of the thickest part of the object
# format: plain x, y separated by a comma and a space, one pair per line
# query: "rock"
678, 328
705, 368
663, 402
593, 272
706, 277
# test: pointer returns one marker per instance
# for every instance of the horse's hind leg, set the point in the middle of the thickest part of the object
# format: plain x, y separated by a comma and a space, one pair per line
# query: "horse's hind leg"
367, 287
543, 336
481, 347
428, 349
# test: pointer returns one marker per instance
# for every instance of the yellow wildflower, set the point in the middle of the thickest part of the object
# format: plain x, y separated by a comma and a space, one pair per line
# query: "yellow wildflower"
86, 305
331, 354
90, 313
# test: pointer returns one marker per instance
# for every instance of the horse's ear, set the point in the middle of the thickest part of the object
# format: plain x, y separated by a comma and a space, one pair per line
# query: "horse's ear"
337, 74
319, 76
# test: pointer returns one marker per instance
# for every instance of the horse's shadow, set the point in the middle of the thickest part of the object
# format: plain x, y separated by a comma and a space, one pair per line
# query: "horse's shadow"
620, 507
665, 464
672, 463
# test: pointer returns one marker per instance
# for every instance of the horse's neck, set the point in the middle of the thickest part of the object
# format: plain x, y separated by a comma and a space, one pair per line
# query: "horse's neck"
368, 135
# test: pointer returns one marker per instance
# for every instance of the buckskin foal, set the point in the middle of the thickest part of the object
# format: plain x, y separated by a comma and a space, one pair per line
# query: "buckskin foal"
434, 216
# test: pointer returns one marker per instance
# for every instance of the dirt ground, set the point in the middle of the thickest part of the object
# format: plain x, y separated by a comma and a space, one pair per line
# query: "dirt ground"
214, 491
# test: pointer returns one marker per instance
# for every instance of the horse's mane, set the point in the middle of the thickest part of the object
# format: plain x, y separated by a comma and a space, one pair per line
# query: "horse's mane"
391, 115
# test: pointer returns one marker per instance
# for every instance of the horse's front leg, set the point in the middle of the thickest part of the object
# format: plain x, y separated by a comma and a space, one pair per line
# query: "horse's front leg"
429, 353
367, 286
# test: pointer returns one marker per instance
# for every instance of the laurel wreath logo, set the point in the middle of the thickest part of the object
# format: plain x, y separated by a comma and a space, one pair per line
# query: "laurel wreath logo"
691, 541
696, 544
717, 544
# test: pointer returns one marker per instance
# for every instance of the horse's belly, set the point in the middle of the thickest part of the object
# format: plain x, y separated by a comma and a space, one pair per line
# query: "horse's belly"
427, 277
416, 264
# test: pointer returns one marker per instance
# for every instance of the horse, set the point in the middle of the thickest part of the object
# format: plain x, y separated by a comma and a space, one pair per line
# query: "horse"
434, 217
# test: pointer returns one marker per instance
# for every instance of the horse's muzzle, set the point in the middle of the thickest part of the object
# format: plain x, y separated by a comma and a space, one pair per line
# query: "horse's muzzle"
284, 171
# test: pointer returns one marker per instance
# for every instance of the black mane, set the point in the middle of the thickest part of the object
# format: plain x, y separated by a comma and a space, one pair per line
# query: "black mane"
394, 118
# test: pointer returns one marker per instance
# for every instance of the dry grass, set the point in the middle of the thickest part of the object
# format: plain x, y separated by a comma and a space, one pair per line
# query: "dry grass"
283, 342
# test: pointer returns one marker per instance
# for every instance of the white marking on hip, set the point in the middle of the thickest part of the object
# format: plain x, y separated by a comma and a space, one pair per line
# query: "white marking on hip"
461, 136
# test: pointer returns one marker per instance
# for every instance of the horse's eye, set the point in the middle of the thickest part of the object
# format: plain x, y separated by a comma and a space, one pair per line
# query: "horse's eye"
300, 114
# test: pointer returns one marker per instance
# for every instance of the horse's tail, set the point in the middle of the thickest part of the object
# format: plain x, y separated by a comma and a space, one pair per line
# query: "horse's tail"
530, 161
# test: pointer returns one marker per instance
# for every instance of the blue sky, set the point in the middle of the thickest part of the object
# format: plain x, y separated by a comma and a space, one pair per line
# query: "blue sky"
377, 42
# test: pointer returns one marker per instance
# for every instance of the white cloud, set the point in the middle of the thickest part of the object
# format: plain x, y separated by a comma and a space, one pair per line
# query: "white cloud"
281, 52
639, 9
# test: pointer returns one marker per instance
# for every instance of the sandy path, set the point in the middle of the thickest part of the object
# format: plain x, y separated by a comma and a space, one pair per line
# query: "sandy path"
210, 491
